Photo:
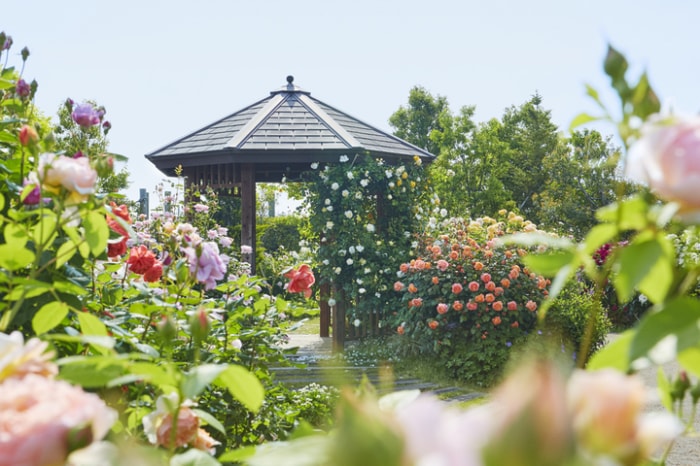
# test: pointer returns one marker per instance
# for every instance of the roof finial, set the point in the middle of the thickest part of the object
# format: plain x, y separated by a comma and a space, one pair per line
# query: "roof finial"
290, 79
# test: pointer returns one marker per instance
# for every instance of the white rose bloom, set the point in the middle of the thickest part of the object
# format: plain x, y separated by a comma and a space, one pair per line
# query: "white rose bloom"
344, 158
345, 193
348, 213
335, 186
370, 227
314, 165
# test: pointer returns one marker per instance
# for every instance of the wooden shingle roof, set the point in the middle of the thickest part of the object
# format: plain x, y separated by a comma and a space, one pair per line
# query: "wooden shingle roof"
282, 133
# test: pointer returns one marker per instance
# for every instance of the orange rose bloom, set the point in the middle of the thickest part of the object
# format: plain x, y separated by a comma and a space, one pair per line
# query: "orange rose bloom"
433, 324
490, 286
141, 259
490, 298
478, 266
435, 280
457, 306
512, 306
472, 306
442, 308
300, 280
505, 283
531, 306
497, 306
400, 330
496, 320
479, 298
473, 287
412, 288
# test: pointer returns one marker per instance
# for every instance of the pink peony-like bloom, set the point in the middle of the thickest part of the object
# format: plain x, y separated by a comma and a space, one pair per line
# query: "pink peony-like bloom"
201, 208
606, 408
18, 359
37, 414
667, 158
473, 287
442, 265
457, 288
75, 175
86, 115
300, 280
398, 286
442, 308
158, 425
209, 266
141, 259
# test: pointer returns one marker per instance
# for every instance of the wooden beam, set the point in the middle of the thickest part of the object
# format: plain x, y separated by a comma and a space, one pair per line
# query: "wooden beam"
325, 320
248, 212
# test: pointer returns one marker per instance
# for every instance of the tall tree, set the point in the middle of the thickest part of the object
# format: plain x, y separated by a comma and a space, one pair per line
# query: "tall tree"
531, 136
416, 122
582, 179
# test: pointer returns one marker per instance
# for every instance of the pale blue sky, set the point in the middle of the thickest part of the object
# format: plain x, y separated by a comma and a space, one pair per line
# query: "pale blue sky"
166, 68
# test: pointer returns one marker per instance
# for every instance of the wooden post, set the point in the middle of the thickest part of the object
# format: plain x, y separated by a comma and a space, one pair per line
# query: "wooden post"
325, 316
248, 212
338, 320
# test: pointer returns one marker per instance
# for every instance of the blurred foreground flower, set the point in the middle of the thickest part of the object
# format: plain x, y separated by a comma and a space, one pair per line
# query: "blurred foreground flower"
18, 359
667, 158
43, 420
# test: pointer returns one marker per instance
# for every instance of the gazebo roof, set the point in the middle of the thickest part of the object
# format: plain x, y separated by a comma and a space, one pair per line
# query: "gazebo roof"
282, 134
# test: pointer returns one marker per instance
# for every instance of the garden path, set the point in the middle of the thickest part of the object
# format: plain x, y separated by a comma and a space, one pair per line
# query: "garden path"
319, 366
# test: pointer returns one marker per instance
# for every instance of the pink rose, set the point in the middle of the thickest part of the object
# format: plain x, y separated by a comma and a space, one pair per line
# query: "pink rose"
18, 359
37, 414
442, 265
608, 419
75, 175
667, 158
301, 280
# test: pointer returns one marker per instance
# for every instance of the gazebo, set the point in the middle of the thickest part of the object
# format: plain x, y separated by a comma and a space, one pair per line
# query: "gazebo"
273, 139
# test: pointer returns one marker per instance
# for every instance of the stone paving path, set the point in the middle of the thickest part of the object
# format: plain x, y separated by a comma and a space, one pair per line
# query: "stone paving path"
316, 355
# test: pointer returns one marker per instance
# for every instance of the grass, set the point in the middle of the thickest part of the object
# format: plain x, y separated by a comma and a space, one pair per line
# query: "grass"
308, 326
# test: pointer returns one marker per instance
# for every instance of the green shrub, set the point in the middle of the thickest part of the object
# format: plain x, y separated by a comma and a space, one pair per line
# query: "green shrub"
468, 301
279, 232
570, 314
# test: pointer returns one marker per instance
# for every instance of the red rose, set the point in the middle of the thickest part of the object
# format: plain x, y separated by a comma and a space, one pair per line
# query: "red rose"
116, 248
154, 273
300, 280
141, 259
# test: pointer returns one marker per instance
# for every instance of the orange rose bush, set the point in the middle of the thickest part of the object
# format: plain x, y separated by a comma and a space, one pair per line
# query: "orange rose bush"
468, 299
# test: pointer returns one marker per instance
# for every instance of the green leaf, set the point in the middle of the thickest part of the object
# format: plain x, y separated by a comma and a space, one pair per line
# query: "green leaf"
536, 239
91, 325
614, 355
44, 232
96, 232
49, 316
643, 263
582, 119
65, 252
91, 374
550, 263
199, 378
28, 289
689, 359
679, 318
236, 456
244, 386
593, 94
598, 236
15, 258
630, 214
664, 388
193, 457
211, 420
615, 66
154, 374
644, 99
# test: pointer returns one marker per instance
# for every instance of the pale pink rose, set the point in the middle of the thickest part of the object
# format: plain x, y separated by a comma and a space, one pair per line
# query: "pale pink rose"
186, 430
442, 265
531, 417
37, 414
438, 434
204, 441
18, 359
667, 158
75, 175
606, 409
